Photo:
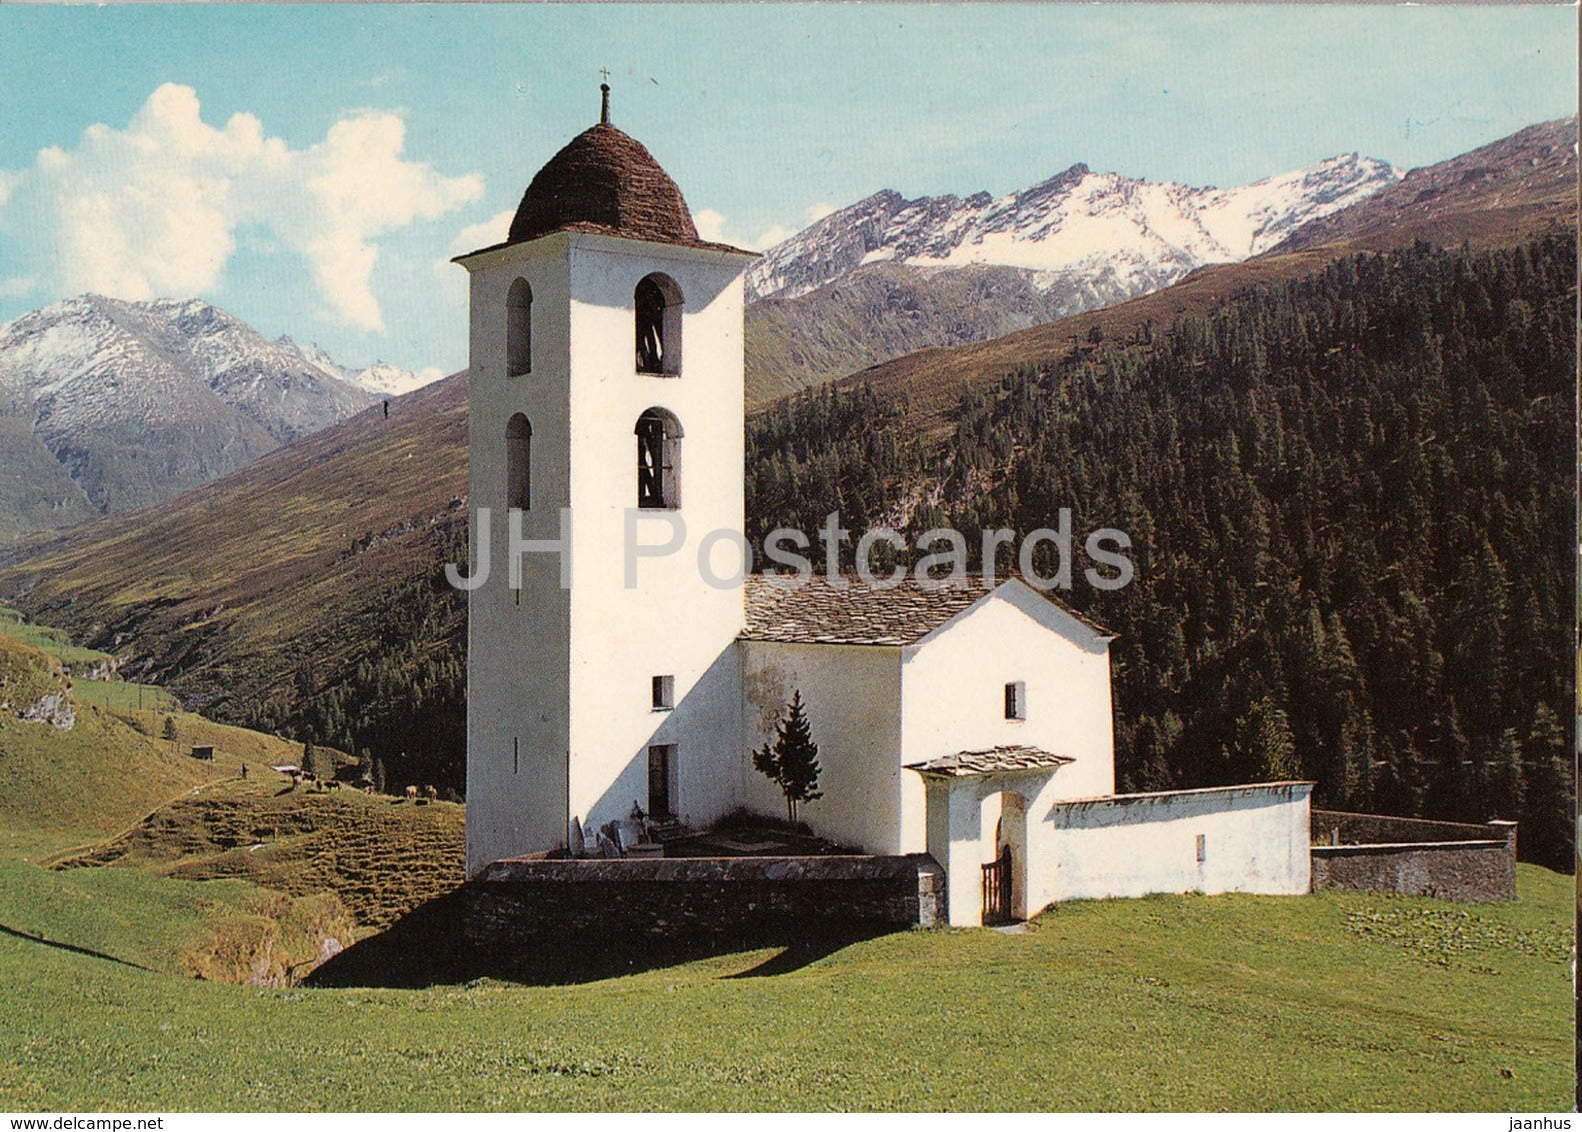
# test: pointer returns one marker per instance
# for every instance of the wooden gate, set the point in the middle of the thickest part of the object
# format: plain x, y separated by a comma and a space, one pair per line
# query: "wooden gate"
997, 889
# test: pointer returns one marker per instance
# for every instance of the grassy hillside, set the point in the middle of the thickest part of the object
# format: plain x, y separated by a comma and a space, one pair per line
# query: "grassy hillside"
124, 975
73, 658
320, 562
1328, 1002
200, 872
71, 786
381, 856
223, 931
214, 875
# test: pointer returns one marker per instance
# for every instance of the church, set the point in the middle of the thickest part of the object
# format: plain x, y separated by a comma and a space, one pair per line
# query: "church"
973, 723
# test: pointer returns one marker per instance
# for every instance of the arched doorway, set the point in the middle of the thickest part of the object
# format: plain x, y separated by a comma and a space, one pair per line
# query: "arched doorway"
1004, 819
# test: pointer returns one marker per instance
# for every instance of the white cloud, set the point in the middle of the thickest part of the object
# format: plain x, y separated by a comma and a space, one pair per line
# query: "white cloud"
154, 209
712, 225
774, 234
486, 233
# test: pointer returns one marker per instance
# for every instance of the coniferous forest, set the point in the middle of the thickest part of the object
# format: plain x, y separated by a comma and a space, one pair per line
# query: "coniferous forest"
402, 710
1351, 507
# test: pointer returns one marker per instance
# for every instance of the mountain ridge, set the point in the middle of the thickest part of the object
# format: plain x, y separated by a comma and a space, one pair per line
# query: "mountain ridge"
1065, 222
1532, 173
846, 292
110, 405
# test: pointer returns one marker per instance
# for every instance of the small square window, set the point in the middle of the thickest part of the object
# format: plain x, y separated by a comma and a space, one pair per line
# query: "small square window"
1016, 700
664, 693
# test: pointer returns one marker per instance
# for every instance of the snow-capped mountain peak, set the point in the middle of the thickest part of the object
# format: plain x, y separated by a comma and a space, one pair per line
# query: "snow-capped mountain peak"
1075, 228
382, 378
121, 404
392, 381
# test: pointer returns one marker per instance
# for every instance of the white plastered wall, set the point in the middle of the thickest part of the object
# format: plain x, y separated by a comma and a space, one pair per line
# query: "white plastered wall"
851, 694
674, 621
962, 814
953, 688
518, 649
1256, 838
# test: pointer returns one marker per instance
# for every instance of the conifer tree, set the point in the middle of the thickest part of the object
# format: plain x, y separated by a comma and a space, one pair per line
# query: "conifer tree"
1507, 782
1551, 813
791, 761
1267, 744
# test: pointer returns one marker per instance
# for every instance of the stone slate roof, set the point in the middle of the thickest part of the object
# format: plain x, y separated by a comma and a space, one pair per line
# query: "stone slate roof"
995, 760
816, 612
606, 182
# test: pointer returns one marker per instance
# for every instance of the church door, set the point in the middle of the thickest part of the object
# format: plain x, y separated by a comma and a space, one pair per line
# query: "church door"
661, 763
997, 889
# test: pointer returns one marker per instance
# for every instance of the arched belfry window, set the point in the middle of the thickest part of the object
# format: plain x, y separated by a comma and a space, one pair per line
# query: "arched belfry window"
658, 460
519, 329
658, 303
518, 462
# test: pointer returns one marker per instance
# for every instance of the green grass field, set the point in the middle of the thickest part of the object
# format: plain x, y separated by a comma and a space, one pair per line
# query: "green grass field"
1165, 1003
52, 641
110, 694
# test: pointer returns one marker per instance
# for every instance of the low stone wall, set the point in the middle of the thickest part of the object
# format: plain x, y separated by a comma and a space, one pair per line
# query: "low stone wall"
1414, 857
702, 896
1337, 827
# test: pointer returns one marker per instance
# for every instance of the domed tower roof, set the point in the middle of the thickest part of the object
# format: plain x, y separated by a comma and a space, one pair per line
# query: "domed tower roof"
605, 181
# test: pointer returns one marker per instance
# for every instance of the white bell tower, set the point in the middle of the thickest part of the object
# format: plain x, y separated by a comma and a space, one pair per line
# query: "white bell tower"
606, 387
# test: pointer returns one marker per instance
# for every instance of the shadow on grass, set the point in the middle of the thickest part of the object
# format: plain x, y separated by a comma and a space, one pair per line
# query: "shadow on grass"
71, 947
429, 947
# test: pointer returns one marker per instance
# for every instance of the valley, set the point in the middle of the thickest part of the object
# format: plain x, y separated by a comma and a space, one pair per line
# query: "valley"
305, 593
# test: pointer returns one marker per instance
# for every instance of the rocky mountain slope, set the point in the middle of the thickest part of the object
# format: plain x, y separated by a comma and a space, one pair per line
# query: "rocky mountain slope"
381, 378
887, 275
108, 405
1100, 230
1520, 186
285, 577
1498, 195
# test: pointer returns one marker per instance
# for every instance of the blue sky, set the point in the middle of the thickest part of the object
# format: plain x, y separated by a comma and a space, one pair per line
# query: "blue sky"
310, 168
